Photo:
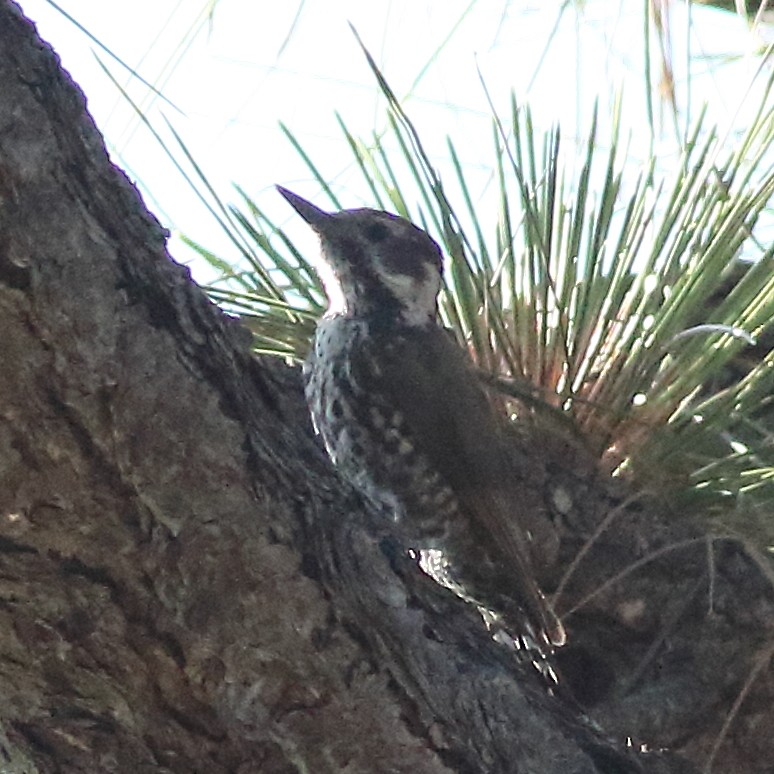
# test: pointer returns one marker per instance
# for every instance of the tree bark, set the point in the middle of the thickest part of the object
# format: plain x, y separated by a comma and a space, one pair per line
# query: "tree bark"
185, 584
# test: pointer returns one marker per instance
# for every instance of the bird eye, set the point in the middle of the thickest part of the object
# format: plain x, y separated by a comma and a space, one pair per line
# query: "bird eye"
376, 232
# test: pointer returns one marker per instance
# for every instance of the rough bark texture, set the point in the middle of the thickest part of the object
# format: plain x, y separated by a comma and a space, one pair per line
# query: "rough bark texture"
186, 586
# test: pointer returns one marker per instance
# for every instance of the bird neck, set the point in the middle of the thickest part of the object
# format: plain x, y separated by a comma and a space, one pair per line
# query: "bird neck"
383, 318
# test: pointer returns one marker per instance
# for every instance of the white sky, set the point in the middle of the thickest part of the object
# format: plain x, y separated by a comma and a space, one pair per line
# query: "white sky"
232, 79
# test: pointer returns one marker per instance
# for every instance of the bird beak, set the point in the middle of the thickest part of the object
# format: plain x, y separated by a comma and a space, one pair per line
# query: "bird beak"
314, 216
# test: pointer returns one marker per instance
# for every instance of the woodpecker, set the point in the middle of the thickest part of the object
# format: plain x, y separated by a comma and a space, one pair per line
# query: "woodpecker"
405, 420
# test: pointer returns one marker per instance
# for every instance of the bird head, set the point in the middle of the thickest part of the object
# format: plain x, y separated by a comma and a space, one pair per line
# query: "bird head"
374, 265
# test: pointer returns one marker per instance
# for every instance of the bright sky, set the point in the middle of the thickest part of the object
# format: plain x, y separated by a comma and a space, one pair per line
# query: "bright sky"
232, 78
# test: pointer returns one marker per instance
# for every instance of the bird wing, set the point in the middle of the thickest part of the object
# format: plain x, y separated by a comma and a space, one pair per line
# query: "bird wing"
426, 376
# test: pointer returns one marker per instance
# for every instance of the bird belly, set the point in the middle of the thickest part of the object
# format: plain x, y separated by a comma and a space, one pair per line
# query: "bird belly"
369, 444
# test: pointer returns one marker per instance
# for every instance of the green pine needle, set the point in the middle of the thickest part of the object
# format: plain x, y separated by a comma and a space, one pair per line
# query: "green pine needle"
637, 311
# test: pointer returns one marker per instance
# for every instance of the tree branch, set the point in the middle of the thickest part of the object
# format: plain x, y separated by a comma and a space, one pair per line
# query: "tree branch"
186, 585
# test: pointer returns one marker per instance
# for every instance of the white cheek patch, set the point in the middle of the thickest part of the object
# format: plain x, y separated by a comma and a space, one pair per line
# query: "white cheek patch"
401, 285
416, 296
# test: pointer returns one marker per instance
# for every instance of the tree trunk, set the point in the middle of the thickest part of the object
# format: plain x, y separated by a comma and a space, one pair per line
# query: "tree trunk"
186, 584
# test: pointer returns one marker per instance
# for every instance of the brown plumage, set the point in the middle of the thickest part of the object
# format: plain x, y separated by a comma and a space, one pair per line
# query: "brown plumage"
405, 420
